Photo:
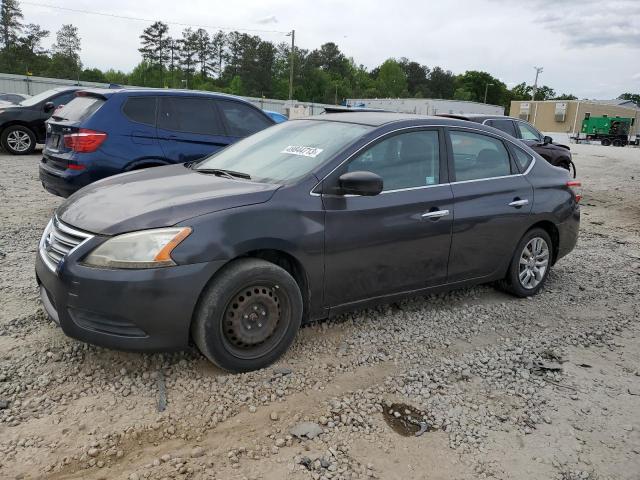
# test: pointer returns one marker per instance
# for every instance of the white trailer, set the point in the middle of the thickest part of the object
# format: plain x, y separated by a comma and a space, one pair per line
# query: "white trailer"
426, 106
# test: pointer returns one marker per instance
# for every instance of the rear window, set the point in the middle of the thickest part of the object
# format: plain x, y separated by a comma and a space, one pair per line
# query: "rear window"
141, 110
242, 120
79, 109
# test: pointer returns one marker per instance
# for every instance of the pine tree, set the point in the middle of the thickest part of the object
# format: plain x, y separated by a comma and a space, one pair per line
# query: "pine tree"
203, 50
156, 44
33, 37
217, 51
10, 25
68, 43
188, 52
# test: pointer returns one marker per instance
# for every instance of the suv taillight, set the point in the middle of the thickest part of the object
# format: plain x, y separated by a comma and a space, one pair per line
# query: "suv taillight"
576, 187
85, 140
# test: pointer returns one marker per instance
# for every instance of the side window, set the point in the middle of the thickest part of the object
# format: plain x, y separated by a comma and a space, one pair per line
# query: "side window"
141, 110
505, 125
242, 120
403, 161
477, 156
527, 132
523, 159
63, 99
189, 115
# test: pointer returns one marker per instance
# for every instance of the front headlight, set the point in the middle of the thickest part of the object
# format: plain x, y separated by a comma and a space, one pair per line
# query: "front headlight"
144, 249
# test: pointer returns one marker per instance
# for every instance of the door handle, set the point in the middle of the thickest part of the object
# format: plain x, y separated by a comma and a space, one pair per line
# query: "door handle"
436, 214
519, 203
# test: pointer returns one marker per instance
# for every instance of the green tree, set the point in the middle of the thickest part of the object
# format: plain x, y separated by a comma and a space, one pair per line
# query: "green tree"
10, 22
634, 97
188, 52
391, 80
476, 83
68, 43
417, 81
441, 83
203, 50
566, 96
155, 44
33, 37
217, 52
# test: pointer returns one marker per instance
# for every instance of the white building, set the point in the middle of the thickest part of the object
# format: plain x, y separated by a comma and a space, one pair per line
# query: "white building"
426, 106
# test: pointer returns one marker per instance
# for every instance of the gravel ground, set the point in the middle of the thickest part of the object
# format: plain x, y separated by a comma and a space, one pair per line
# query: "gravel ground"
471, 384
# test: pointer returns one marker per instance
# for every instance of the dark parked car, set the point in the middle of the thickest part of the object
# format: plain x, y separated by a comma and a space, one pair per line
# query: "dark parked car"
298, 222
104, 132
554, 153
13, 97
22, 126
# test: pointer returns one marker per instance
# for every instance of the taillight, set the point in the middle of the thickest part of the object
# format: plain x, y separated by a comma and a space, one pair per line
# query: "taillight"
576, 187
85, 140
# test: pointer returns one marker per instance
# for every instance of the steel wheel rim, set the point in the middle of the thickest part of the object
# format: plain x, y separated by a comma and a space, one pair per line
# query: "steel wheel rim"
18, 140
255, 320
534, 262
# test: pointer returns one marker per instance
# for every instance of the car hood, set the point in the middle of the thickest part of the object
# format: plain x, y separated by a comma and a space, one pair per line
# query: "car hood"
156, 197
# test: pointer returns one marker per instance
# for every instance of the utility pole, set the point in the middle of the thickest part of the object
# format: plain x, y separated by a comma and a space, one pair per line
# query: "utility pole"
539, 70
486, 90
291, 34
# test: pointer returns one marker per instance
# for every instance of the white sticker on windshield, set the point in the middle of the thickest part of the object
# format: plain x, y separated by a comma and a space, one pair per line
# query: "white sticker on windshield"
312, 152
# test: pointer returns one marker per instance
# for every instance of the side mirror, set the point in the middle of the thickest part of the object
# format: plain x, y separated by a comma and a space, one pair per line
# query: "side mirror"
49, 107
547, 140
366, 184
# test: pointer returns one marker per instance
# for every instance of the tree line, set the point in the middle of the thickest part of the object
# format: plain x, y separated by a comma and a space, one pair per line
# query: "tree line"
243, 64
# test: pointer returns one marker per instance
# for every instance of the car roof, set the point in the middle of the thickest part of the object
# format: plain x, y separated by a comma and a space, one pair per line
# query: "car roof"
476, 117
107, 92
377, 119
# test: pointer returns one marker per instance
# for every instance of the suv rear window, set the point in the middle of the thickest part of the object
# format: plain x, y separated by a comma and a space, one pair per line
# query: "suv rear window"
79, 109
242, 120
141, 109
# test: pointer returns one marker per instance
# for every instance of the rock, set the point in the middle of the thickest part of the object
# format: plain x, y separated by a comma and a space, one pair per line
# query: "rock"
282, 371
309, 430
274, 416
197, 452
4, 404
93, 452
252, 409
280, 442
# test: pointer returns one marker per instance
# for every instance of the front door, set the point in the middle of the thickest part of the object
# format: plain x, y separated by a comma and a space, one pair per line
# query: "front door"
492, 204
396, 241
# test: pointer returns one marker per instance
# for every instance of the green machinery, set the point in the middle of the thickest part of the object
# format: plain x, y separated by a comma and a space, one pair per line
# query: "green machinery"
609, 130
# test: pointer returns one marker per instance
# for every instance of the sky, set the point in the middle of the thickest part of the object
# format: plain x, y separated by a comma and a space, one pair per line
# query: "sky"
589, 48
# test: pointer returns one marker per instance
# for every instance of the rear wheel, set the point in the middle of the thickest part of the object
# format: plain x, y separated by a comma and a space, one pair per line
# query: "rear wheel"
18, 140
605, 142
529, 267
617, 142
249, 315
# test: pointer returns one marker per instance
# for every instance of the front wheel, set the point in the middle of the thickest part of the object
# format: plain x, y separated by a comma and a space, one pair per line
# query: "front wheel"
248, 316
18, 140
529, 267
605, 142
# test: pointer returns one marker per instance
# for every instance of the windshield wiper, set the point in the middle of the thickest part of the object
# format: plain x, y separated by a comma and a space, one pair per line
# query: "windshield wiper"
224, 173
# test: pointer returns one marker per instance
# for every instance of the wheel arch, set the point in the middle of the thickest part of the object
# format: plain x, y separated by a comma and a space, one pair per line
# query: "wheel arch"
553, 233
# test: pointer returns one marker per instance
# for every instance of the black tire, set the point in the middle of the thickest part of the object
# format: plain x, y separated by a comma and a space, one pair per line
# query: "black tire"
605, 142
18, 140
512, 283
617, 142
246, 296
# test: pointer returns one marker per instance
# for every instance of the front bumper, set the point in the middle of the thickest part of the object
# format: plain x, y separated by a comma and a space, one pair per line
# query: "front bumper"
139, 310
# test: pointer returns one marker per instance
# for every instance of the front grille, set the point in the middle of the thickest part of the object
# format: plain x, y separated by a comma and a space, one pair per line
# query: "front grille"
58, 240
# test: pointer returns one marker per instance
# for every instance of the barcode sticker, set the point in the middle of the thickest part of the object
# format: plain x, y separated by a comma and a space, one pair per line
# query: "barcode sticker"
312, 152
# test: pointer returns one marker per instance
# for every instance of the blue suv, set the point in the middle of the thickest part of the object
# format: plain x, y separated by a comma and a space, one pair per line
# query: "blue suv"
105, 132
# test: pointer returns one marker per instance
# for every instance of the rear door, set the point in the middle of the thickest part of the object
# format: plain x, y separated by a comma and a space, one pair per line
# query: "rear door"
505, 125
242, 120
492, 204
189, 128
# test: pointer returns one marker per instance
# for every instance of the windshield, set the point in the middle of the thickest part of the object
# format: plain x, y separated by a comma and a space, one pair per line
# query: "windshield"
29, 102
287, 151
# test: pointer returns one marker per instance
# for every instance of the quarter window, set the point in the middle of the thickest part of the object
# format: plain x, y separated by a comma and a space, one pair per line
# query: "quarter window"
242, 120
189, 115
141, 110
527, 132
523, 159
477, 156
63, 99
403, 161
